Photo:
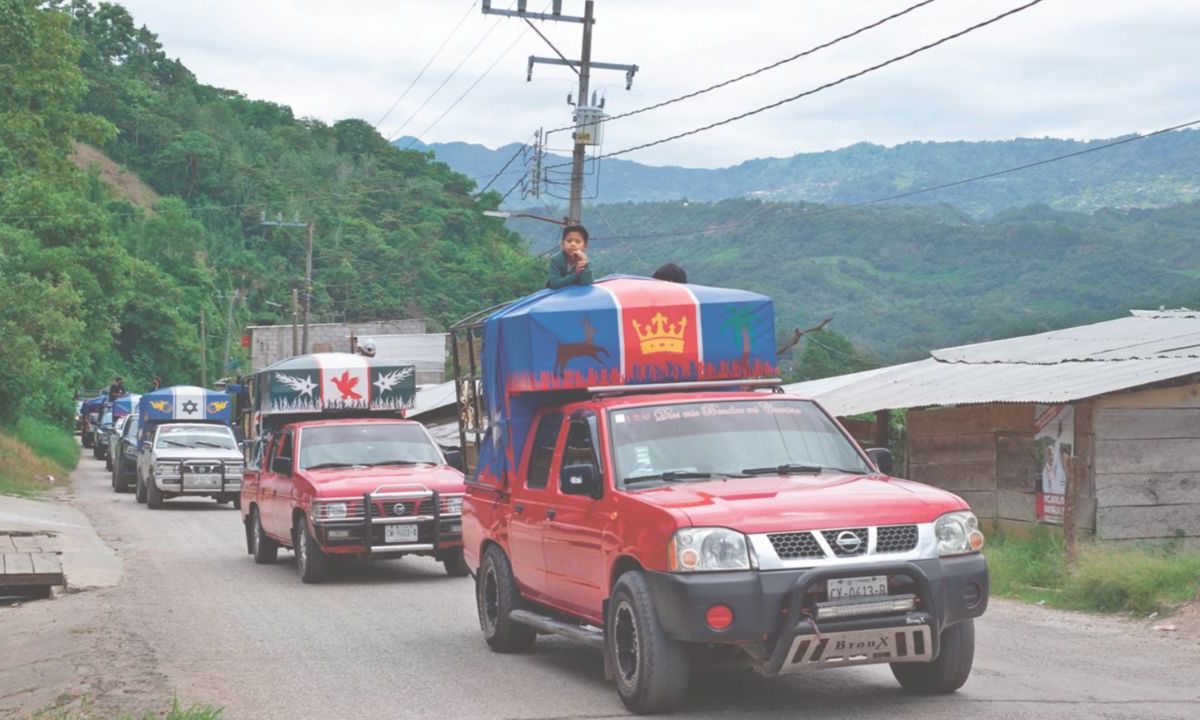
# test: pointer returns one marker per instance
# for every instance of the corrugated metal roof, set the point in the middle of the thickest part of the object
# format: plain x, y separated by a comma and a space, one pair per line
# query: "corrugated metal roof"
1144, 334
433, 397
1060, 366
425, 351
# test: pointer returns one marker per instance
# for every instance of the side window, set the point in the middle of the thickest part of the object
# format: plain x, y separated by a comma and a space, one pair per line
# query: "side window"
285, 447
580, 450
256, 454
544, 441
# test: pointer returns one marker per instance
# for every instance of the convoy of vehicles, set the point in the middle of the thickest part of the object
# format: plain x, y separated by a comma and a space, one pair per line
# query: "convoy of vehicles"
336, 471
186, 447
121, 409
637, 489
638, 483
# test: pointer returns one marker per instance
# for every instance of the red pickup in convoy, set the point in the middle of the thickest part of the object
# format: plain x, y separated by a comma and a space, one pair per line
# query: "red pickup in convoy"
647, 495
333, 476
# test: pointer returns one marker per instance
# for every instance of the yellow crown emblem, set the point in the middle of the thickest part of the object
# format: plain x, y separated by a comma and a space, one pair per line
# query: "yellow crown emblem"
217, 406
161, 405
657, 336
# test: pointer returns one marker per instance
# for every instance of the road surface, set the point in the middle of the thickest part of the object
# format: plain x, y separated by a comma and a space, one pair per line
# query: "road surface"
194, 617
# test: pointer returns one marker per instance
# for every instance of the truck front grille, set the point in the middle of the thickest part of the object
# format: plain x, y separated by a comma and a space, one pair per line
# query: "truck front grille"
843, 542
896, 538
796, 546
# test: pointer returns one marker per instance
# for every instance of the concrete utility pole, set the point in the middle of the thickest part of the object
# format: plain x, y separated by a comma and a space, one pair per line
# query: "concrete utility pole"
295, 322
587, 116
203, 353
278, 222
233, 298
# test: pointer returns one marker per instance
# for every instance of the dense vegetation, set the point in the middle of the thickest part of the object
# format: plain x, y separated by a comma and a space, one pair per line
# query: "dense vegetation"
900, 281
93, 285
1152, 172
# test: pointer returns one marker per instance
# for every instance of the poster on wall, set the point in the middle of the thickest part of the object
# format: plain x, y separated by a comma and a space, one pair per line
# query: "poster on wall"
1055, 441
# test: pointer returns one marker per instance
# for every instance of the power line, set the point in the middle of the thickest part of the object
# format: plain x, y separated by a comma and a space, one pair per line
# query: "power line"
932, 188
552, 47
421, 74
826, 86
760, 70
496, 177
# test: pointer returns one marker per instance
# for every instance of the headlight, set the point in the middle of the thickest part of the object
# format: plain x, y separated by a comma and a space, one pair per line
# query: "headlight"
454, 505
958, 533
334, 510
166, 469
234, 470
704, 549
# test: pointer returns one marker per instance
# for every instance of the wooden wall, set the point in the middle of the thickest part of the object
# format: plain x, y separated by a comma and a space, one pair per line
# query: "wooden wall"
982, 453
1147, 465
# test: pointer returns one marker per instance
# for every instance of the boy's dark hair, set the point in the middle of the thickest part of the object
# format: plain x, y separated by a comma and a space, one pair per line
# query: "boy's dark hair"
671, 273
575, 228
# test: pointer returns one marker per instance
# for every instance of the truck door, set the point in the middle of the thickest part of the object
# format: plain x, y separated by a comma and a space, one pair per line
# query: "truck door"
575, 526
530, 502
276, 489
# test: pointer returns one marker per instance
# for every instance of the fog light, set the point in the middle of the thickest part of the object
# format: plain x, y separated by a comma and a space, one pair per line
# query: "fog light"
339, 534
719, 617
972, 593
454, 528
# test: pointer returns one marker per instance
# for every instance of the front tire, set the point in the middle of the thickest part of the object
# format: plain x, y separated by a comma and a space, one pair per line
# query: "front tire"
263, 548
311, 560
651, 671
496, 595
154, 496
951, 668
455, 564
120, 484
139, 492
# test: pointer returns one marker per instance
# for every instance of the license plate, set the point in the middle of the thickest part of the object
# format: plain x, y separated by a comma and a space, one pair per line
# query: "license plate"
203, 480
847, 588
400, 533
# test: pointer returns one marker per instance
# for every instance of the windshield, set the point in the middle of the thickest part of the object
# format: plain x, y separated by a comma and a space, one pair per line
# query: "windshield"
196, 436
735, 438
366, 444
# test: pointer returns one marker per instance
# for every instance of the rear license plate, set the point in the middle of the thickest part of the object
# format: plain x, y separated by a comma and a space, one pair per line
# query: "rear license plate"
400, 533
848, 588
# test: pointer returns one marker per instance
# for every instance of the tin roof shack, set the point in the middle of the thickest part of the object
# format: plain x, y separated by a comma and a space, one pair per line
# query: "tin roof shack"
271, 343
1112, 407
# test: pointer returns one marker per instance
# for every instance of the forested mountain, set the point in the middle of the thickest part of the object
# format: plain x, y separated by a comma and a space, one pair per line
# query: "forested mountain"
899, 281
1152, 172
93, 285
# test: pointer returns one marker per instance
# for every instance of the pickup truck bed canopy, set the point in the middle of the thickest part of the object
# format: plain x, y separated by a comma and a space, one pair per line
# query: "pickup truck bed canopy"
184, 403
332, 382
620, 331
125, 405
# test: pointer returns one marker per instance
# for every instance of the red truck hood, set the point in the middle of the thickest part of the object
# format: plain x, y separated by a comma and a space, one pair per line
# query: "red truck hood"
803, 502
353, 482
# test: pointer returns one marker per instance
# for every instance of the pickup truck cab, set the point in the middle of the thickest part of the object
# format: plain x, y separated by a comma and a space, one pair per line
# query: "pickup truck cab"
186, 447
663, 522
124, 451
100, 432
364, 487
336, 471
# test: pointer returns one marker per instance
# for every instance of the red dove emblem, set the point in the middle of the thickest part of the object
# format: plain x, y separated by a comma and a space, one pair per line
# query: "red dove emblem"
345, 385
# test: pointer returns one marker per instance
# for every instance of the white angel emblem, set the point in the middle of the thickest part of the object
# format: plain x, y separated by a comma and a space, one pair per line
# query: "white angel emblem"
303, 385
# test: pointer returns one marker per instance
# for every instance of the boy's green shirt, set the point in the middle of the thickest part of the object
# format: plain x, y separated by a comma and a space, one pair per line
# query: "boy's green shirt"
561, 274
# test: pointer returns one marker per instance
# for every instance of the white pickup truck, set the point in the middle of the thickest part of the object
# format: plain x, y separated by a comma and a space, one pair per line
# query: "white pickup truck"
187, 459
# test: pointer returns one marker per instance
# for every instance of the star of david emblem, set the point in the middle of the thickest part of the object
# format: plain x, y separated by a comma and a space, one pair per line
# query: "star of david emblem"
190, 407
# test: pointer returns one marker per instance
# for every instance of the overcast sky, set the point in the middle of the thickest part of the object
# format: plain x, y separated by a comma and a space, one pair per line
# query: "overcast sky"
1064, 68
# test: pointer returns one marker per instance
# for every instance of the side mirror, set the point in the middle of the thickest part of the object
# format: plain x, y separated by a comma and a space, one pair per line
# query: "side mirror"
454, 459
580, 480
281, 466
882, 457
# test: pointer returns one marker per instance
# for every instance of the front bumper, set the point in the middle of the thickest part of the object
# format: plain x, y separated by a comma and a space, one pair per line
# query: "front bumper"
775, 612
212, 480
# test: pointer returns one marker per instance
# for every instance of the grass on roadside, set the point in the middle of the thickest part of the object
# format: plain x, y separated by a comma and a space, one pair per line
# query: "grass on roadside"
48, 440
192, 712
1107, 577
22, 471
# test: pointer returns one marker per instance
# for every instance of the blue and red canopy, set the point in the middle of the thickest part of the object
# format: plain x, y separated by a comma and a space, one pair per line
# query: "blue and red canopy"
185, 403
620, 331
124, 405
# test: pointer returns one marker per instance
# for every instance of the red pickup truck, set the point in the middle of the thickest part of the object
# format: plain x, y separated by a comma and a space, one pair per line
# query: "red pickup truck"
334, 471
665, 521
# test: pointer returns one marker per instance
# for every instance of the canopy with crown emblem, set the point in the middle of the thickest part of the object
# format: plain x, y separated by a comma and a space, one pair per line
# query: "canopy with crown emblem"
621, 330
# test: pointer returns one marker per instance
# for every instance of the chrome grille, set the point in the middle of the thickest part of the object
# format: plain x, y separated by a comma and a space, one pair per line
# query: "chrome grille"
837, 541
796, 545
410, 508
896, 538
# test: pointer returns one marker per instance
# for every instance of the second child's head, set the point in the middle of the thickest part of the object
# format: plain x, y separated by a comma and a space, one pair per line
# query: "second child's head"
574, 240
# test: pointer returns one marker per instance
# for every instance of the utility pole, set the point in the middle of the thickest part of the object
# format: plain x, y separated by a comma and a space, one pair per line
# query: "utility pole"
233, 298
278, 222
295, 320
203, 353
588, 117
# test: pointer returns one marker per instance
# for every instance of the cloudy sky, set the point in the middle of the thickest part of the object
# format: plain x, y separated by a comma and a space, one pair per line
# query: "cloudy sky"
1064, 68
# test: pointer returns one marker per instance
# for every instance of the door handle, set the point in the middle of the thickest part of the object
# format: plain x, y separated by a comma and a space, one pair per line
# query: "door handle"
550, 513
519, 508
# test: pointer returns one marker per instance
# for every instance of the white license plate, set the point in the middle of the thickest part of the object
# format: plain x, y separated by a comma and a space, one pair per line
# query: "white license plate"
400, 533
847, 588
203, 480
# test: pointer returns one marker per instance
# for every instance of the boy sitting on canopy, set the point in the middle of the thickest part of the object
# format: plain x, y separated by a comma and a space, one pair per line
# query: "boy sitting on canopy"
569, 266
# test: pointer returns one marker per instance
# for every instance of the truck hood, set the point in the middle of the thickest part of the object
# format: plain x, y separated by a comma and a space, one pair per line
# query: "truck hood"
352, 482
803, 502
197, 454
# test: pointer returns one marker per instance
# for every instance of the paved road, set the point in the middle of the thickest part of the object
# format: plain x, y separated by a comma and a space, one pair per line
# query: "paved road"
193, 615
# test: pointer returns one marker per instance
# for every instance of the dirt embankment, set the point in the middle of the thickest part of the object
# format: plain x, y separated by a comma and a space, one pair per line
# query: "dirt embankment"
124, 184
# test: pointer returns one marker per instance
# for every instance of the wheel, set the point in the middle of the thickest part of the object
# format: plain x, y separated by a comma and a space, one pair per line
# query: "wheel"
108, 465
311, 560
154, 496
120, 484
237, 502
496, 595
85, 439
951, 668
95, 449
455, 564
114, 480
263, 548
139, 492
651, 670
